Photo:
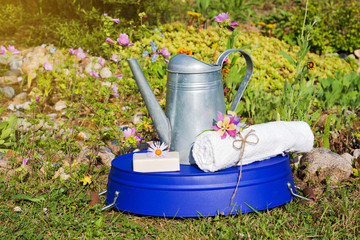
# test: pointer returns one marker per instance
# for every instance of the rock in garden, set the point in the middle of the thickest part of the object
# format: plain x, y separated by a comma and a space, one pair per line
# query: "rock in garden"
84, 156
60, 105
8, 80
106, 156
13, 73
8, 92
15, 62
321, 165
137, 117
356, 153
3, 164
348, 157
21, 96
105, 72
61, 173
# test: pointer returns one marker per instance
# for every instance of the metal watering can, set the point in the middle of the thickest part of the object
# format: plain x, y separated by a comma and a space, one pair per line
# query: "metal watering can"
194, 95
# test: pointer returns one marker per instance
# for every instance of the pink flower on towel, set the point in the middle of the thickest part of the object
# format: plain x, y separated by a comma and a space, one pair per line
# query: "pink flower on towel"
226, 124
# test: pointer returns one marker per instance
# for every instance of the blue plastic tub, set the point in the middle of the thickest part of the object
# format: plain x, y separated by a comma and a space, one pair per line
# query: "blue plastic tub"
193, 193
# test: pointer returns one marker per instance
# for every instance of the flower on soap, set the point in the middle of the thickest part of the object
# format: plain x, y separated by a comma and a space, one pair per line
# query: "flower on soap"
157, 150
226, 124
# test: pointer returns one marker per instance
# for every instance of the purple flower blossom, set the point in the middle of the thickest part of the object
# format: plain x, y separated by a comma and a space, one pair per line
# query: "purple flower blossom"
165, 52
101, 61
13, 49
105, 14
109, 40
37, 99
115, 91
222, 17
129, 132
115, 58
226, 125
115, 20
123, 39
232, 26
80, 53
25, 160
94, 74
2, 50
48, 66
120, 76
72, 51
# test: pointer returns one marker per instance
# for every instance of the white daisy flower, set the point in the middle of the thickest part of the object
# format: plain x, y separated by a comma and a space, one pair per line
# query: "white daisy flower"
17, 209
157, 150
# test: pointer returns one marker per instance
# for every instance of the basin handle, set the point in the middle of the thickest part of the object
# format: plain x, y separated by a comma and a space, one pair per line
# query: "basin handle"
297, 195
116, 195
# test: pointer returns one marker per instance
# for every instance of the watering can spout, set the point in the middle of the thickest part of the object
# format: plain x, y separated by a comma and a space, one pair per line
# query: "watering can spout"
161, 122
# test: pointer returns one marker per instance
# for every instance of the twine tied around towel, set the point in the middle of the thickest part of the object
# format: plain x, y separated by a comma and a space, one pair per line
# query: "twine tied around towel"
241, 148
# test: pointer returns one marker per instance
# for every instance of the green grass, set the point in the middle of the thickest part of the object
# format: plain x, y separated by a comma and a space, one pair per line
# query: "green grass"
93, 110
335, 215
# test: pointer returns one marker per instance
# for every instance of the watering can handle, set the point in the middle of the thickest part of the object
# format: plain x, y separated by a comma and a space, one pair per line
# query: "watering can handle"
244, 83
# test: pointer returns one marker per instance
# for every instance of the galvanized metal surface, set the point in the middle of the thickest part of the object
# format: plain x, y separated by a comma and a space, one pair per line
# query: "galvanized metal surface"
194, 95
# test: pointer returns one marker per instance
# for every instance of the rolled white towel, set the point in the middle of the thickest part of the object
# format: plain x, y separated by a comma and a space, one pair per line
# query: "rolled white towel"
263, 141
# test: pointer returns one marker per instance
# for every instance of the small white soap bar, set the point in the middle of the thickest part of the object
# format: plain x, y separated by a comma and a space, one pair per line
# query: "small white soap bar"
143, 163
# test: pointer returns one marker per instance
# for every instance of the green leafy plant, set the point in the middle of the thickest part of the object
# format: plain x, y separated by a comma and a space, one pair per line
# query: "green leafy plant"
7, 133
339, 29
340, 91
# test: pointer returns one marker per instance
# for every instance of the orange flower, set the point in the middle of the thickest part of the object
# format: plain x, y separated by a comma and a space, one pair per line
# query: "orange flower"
183, 51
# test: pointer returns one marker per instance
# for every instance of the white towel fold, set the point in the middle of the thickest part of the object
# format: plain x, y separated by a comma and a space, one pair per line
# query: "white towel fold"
211, 153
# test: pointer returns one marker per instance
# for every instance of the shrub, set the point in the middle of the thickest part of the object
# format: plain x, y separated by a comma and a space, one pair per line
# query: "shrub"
339, 29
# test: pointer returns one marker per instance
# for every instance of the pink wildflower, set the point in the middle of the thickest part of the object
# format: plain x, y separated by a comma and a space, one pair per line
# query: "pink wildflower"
25, 160
165, 52
109, 40
2, 50
115, 20
48, 66
13, 49
101, 61
222, 17
129, 132
94, 74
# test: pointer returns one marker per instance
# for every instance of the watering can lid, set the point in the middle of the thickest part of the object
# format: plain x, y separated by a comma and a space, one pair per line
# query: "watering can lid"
182, 63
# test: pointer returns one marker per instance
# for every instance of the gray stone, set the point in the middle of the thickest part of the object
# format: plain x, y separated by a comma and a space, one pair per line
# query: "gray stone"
137, 117
356, 153
84, 156
26, 105
8, 92
106, 156
8, 80
321, 164
21, 96
348, 157
105, 72
52, 115
15, 106
15, 62
61, 173
15, 72
60, 105
3, 164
